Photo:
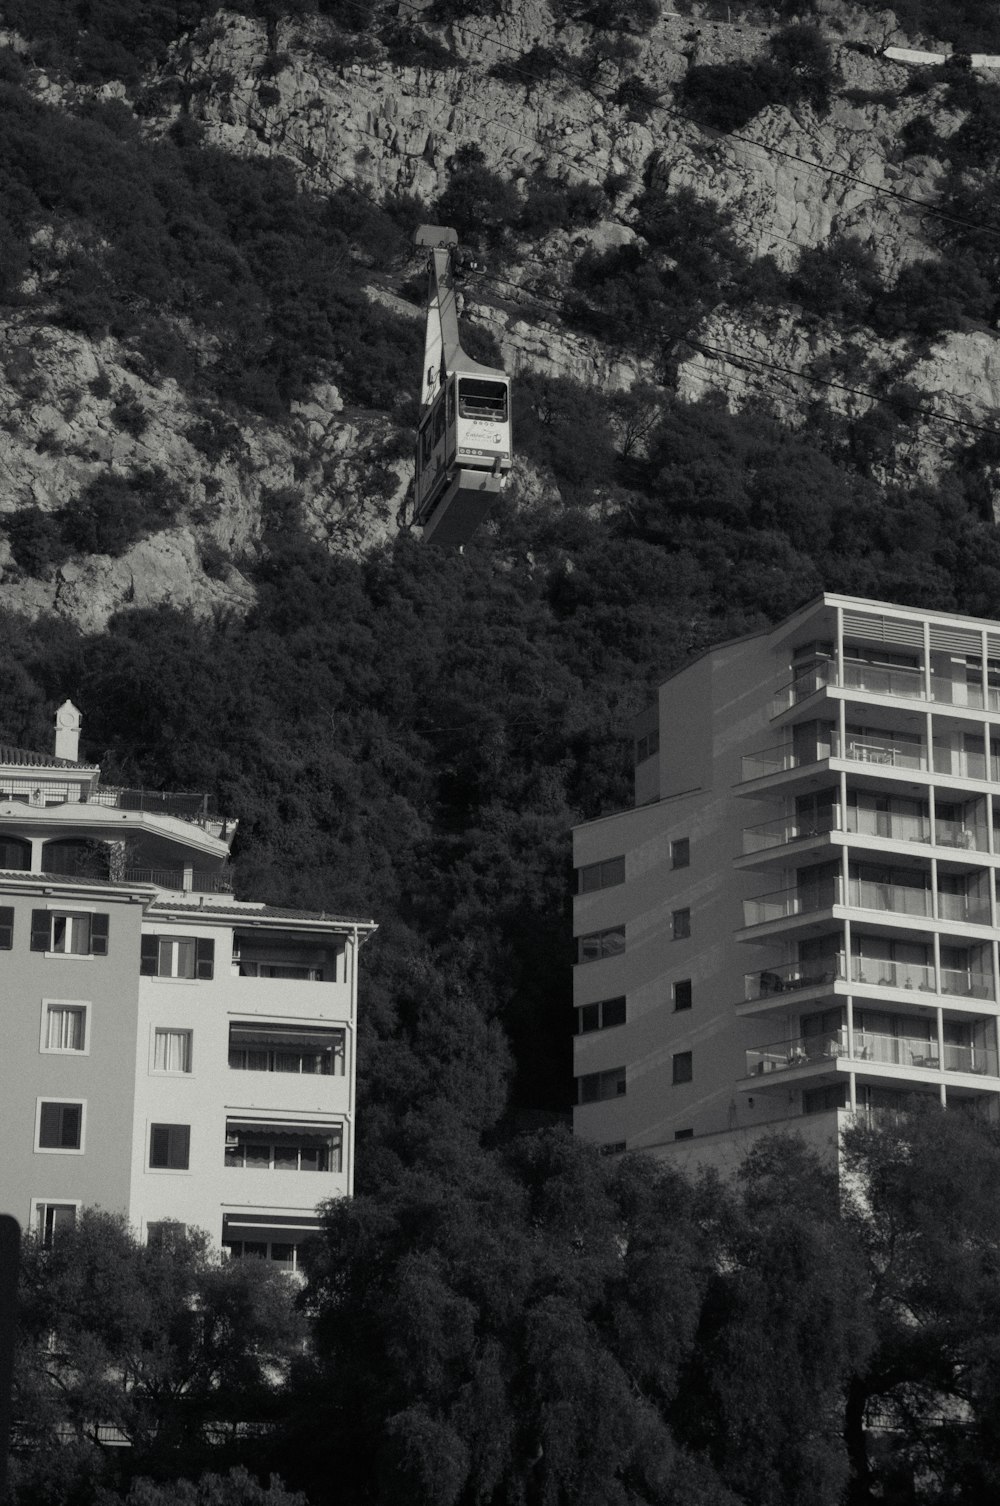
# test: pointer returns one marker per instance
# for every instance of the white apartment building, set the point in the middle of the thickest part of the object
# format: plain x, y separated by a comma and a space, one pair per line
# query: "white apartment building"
171, 1053
798, 919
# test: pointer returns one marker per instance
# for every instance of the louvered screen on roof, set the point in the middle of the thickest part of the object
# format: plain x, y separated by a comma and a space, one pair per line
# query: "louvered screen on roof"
883, 629
956, 640
993, 646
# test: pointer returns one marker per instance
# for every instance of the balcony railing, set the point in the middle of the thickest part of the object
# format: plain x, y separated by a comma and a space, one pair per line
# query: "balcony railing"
869, 1046
187, 805
215, 882
967, 983
972, 909
776, 760
899, 899
791, 977
887, 752
968, 836
802, 686
893, 825
959, 763
784, 902
881, 679
880, 972
948, 692
789, 829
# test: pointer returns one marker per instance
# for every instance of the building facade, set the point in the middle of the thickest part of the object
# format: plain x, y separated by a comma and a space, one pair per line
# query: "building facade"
171, 1053
797, 921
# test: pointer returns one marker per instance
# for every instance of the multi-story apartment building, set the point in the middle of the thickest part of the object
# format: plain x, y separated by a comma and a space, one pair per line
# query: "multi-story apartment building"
798, 919
170, 1052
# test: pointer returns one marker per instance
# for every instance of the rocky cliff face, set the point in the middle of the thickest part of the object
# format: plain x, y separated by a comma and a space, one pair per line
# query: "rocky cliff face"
74, 408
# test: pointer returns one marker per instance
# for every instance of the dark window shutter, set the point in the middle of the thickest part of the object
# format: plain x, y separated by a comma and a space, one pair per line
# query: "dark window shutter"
149, 955
204, 958
181, 1147
99, 935
6, 927
41, 930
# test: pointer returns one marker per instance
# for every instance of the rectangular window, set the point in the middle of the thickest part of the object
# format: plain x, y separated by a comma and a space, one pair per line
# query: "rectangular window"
60, 1125
680, 853
614, 1147
6, 927
682, 993
597, 1086
69, 933
603, 875
600, 1016
283, 1253
683, 1067
684, 1134
169, 1147
680, 924
610, 943
647, 745
293, 1149
52, 1219
288, 1048
172, 1051
177, 957
64, 1026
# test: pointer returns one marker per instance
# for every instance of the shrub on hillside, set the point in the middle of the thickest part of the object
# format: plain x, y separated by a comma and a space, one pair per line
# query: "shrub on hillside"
725, 96
477, 202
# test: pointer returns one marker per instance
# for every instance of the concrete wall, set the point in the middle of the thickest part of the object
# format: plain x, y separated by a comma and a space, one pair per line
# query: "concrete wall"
100, 1077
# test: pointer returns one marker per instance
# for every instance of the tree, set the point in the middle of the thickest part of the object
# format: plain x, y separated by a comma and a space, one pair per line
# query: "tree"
924, 1208
162, 1343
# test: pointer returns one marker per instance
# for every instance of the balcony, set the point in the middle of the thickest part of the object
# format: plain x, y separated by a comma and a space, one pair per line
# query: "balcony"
869, 1048
880, 972
887, 752
881, 679
895, 899
967, 836
792, 977
185, 805
216, 882
802, 686
966, 983
783, 903
968, 909
775, 761
786, 829
894, 826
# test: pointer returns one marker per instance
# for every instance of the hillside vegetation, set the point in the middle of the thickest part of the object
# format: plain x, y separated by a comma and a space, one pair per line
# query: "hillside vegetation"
411, 734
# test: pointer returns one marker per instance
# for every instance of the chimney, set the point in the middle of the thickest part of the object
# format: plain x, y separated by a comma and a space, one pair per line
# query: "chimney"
68, 721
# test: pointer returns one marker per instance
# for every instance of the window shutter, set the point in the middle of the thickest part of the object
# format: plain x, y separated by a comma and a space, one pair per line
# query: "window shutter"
6, 927
41, 930
99, 935
148, 955
204, 958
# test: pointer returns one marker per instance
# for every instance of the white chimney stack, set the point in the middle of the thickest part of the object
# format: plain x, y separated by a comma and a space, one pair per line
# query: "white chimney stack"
68, 722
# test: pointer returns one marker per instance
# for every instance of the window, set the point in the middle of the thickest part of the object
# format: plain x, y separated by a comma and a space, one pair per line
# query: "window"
599, 944
821, 1100
680, 924
596, 1086
167, 1234
680, 853
600, 1016
69, 933
64, 1026
683, 1067
177, 957
684, 1134
482, 399
682, 993
287, 1048
53, 1219
172, 1050
647, 745
15, 853
169, 1147
284, 1253
602, 875
6, 927
295, 1148
60, 1125
613, 1147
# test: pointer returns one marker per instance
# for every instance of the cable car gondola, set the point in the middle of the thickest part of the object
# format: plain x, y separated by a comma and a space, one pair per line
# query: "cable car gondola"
463, 436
